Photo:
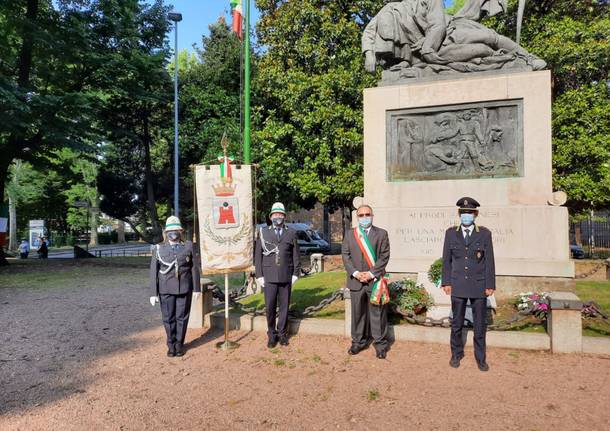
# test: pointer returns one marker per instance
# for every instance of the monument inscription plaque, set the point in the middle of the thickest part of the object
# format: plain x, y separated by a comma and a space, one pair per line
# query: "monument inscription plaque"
475, 140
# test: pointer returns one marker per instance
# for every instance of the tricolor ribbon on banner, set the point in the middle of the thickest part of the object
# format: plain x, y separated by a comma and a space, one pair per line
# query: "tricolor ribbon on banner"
225, 167
380, 294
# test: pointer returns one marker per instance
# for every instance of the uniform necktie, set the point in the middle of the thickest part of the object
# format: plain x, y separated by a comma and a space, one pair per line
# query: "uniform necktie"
467, 236
277, 232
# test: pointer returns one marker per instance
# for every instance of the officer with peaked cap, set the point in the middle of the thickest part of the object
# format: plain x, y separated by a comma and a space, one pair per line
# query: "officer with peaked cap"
468, 274
276, 259
174, 276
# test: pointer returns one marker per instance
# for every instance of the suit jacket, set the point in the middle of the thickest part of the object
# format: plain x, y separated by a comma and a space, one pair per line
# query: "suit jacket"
468, 269
188, 277
288, 257
353, 259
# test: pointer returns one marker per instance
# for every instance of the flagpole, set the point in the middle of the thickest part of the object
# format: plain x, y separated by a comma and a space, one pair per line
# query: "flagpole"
247, 87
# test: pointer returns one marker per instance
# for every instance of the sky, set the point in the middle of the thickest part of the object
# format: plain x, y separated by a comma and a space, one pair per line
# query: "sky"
197, 15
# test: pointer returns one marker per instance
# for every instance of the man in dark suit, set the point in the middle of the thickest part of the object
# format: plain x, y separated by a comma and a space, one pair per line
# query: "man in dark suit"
368, 320
468, 274
277, 263
174, 276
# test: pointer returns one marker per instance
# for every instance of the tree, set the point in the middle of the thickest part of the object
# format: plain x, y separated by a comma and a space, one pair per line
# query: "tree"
581, 159
309, 115
81, 187
25, 185
209, 107
572, 36
136, 111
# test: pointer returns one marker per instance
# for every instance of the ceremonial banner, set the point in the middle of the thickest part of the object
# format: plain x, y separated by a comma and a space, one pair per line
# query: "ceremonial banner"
224, 210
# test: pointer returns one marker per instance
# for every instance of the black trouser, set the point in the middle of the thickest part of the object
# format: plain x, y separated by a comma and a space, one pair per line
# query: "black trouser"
479, 310
368, 321
275, 292
175, 310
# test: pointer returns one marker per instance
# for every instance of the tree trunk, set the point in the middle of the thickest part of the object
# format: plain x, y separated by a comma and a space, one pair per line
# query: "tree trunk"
347, 219
94, 221
12, 227
151, 203
4, 164
326, 224
121, 232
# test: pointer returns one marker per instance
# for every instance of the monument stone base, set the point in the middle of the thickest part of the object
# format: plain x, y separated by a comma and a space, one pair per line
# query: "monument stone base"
427, 144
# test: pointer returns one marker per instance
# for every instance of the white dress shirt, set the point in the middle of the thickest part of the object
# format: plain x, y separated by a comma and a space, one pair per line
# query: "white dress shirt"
467, 228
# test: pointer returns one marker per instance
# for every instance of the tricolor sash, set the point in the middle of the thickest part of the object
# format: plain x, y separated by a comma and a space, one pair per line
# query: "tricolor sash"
380, 294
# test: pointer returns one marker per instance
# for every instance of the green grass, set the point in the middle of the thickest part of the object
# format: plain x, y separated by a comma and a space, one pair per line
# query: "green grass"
372, 394
310, 291
598, 291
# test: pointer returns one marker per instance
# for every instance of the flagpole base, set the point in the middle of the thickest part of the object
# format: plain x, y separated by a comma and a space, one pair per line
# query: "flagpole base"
227, 345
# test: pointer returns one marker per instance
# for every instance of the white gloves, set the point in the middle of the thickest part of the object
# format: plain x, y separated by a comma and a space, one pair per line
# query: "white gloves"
261, 280
196, 295
154, 300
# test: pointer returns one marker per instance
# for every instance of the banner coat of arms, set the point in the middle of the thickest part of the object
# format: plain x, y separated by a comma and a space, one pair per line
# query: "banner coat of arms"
224, 209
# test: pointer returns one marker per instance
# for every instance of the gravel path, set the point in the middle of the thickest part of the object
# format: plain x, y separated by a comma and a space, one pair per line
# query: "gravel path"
92, 356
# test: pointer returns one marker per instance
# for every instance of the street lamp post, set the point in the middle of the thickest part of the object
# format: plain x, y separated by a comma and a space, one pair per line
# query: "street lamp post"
176, 18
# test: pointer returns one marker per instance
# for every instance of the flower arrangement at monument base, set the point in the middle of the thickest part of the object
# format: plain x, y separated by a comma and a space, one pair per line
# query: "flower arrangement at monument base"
407, 297
536, 304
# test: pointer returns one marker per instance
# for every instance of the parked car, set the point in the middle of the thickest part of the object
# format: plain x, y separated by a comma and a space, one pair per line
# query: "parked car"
309, 239
577, 251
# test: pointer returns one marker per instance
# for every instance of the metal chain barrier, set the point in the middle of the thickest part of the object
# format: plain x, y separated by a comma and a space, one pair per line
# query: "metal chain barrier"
445, 322
592, 310
311, 270
591, 271
337, 294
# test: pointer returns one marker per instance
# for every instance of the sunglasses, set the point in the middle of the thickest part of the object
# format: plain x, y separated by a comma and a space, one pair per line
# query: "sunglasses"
365, 215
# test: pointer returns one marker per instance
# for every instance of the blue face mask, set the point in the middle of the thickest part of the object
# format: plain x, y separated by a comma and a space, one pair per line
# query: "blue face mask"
467, 219
365, 222
277, 221
173, 236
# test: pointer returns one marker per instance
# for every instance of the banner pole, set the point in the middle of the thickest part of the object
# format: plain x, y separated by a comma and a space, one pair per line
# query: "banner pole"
227, 344
226, 307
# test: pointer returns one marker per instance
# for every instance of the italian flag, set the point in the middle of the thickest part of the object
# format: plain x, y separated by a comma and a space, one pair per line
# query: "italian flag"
225, 167
236, 12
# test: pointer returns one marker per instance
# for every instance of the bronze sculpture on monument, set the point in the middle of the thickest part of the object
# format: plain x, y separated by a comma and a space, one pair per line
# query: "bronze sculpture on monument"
412, 39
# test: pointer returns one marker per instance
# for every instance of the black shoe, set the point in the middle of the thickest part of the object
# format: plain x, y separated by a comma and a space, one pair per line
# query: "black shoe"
455, 361
271, 343
483, 366
171, 353
381, 354
354, 350
284, 341
179, 351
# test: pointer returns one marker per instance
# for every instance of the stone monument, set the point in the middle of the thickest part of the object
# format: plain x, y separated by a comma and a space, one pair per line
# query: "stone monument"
462, 111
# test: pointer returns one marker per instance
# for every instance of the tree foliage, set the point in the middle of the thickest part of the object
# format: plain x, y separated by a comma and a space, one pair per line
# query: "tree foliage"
572, 36
310, 82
